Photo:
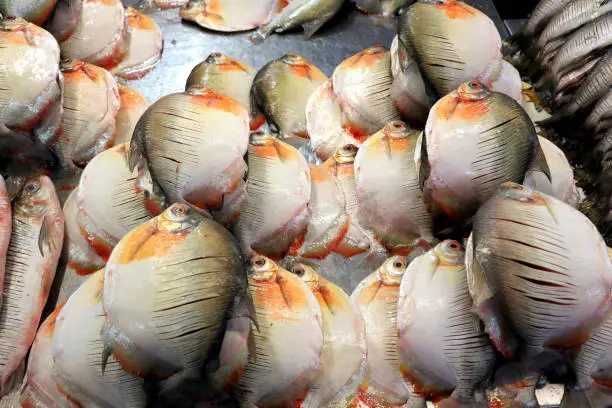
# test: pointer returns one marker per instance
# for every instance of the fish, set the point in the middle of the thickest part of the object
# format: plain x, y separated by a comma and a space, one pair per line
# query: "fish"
582, 46
178, 323
561, 185
63, 20
572, 79
133, 106
281, 89
177, 131
168, 4
289, 342
229, 77
506, 80
362, 84
572, 16
385, 8
76, 350
548, 53
410, 94
344, 350
542, 13
543, 265
324, 122
34, 11
91, 106
376, 298
311, 15
278, 189
6, 225
230, 16
40, 389
31, 261
31, 83
101, 34
144, 46
440, 35
443, 349
388, 191
462, 158
602, 111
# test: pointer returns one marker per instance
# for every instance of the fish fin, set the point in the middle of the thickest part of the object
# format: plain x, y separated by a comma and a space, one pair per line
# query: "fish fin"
311, 28
539, 163
136, 154
108, 350
424, 168
252, 346
44, 235
259, 36
596, 396
246, 308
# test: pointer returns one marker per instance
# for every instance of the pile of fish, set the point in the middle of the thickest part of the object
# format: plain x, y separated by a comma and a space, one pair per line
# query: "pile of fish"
394, 234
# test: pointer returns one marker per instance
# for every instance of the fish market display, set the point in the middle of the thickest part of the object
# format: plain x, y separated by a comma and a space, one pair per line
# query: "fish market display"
63, 21
388, 191
34, 11
281, 89
144, 46
289, 341
133, 105
30, 84
275, 210
230, 15
178, 130
179, 317
386, 8
31, 261
442, 347
463, 160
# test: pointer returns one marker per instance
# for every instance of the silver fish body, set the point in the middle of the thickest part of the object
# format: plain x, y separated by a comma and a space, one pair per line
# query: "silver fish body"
542, 13
596, 84
572, 79
601, 111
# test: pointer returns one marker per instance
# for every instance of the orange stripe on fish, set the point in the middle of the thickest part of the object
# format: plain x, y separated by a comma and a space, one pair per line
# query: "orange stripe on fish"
365, 58
456, 10
69, 397
257, 121
232, 65
210, 99
105, 2
356, 132
47, 329
130, 97
274, 149
139, 21
159, 244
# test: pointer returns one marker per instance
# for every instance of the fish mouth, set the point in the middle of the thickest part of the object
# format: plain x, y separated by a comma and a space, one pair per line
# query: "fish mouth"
261, 138
12, 23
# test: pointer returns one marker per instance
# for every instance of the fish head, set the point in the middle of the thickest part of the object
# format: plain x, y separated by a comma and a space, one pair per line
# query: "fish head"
397, 130
70, 65
473, 91
36, 197
518, 192
302, 68
178, 218
346, 154
449, 254
365, 59
392, 270
12, 23
194, 9
225, 63
261, 138
307, 274
262, 269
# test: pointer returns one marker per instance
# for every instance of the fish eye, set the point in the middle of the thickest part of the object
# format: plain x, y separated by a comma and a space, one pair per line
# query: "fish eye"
32, 187
398, 124
180, 210
454, 246
298, 270
350, 148
398, 264
259, 261
475, 84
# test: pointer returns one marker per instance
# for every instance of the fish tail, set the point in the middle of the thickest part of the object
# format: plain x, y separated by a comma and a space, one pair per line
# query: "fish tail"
596, 396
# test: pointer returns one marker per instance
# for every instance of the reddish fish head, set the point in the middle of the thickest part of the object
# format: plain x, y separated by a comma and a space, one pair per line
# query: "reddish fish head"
36, 196
449, 253
397, 129
261, 138
262, 269
307, 274
473, 91
392, 270
346, 154
178, 218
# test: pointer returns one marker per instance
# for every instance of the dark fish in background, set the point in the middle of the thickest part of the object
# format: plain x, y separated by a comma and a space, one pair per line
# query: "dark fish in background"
573, 79
602, 111
542, 13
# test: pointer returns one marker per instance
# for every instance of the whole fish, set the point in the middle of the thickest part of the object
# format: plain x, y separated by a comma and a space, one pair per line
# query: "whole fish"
6, 225
275, 211
289, 341
34, 11
574, 78
388, 191
377, 298
133, 106
179, 320
230, 15
177, 131
441, 34
63, 21
344, 349
385, 8
362, 84
226, 76
282, 89
101, 34
442, 346
324, 122
572, 16
31, 84
328, 222
548, 53
543, 265
602, 111
474, 140
542, 13
31, 261
596, 84
77, 348
91, 106
40, 389
144, 46
582, 46
308, 14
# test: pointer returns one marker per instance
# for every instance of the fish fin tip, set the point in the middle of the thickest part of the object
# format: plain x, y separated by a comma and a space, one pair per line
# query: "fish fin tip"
44, 235
539, 163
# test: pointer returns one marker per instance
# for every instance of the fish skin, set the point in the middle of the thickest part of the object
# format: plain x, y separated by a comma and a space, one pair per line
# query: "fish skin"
542, 13
601, 111
596, 84
456, 182
572, 79
506, 79
566, 282
311, 15
76, 350
289, 340
91, 105
31, 86
38, 226
581, 46
144, 46
343, 356
177, 325
388, 191
440, 36
548, 53
229, 16
281, 89
442, 347
133, 106
100, 36
362, 85
64, 18
177, 131
6, 225
278, 189
34, 11
385, 8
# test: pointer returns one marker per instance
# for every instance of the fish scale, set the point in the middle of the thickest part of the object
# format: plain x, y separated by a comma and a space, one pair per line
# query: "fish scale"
543, 11
596, 84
